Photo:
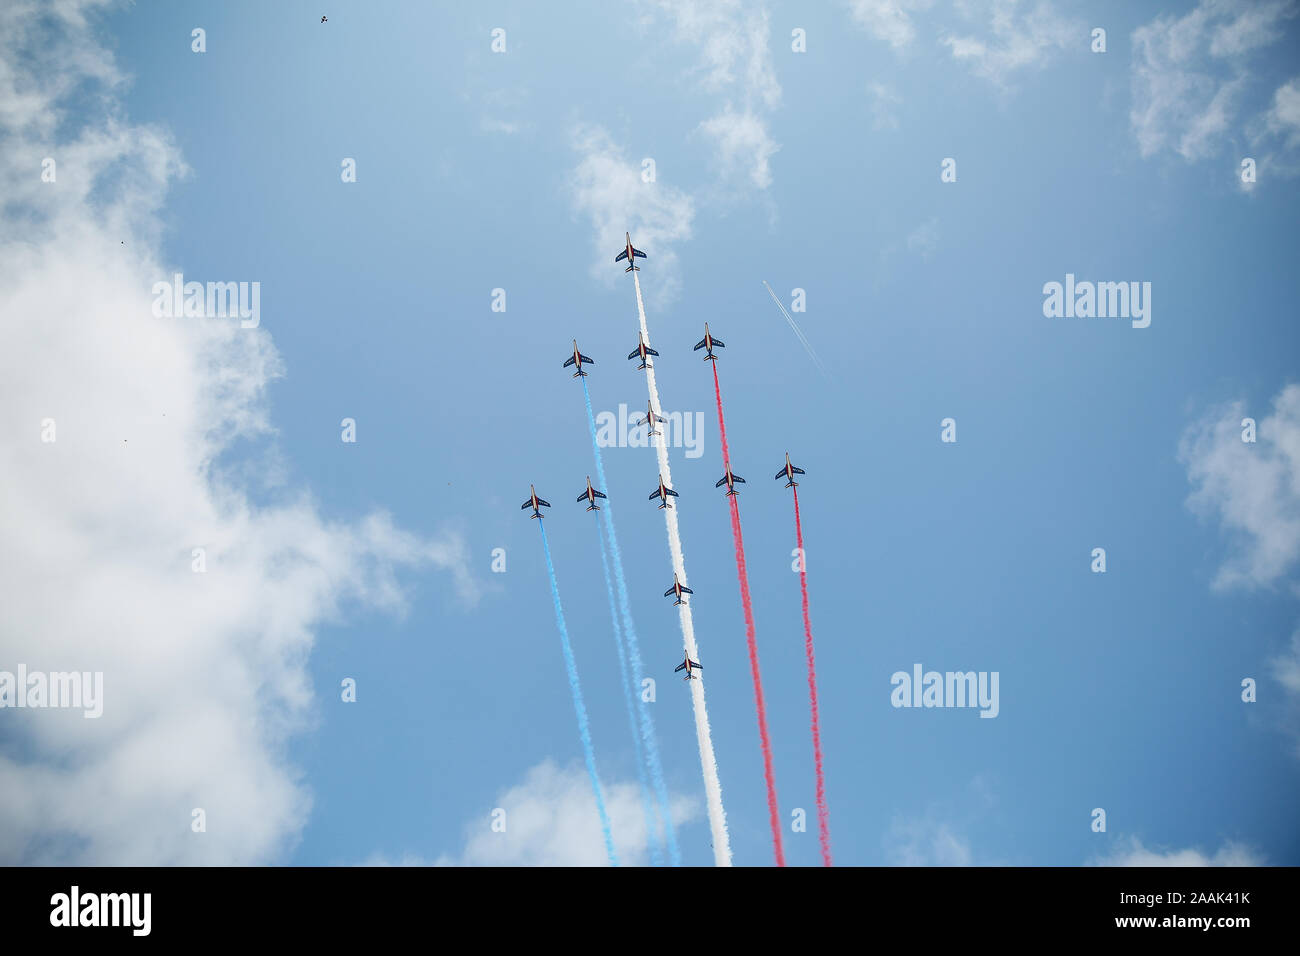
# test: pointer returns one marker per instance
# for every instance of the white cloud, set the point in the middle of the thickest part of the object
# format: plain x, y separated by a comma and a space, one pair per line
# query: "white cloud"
925, 842
1019, 36
735, 62
551, 820
1283, 116
205, 674
609, 190
1253, 489
883, 99
1285, 668
888, 20
743, 145
1190, 73
1131, 852
924, 239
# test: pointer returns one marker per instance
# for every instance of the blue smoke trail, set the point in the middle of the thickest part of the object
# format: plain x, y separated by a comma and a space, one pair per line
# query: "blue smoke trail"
653, 840
579, 707
634, 649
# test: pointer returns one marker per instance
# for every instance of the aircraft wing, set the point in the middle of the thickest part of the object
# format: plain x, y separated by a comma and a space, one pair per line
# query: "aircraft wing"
654, 494
582, 497
720, 482
686, 590
544, 504
526, 504
585, 359
669, 591
636, 252
635, 352
738, 478
698, 345
779, 475
718, 343
797, 471
679, 667
598, 494
650, 351
568, 362
621, 256
673, 493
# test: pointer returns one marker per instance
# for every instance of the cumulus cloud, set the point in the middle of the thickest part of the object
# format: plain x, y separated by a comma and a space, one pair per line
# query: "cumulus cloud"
744, 145
1252, 489
609, 189
1131, 852
883, 99
204, 674
551, 820
1191, 74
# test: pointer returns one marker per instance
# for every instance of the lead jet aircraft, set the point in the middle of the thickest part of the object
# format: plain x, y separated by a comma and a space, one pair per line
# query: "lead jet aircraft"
663, 493
788, 473
535, 503
688, 665
729, 480
710, 343
590, 495
642, 350
577, 358
650, 417
678, 589
630, 254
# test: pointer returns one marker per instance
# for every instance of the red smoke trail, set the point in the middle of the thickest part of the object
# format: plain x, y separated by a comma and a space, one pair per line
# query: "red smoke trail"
759, 705
823, 815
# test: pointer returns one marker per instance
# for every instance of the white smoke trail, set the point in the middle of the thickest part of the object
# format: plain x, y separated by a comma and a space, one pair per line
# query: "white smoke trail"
709, 763
807, 347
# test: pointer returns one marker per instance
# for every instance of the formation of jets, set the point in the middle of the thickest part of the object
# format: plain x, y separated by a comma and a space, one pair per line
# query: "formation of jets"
662, 492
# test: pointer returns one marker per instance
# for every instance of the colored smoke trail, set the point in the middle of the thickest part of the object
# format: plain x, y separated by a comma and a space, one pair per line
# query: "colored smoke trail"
648, 737
703, 735
823, 815
759, 705
578, 706
653, 842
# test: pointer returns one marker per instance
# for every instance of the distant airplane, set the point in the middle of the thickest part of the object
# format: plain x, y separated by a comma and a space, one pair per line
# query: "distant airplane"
577, 358
650, 417
642, 350
788, 473
688, 665
729, 480
663, 493
535, 503
323, 19
590, 495
710, 343
630, 254
678, 589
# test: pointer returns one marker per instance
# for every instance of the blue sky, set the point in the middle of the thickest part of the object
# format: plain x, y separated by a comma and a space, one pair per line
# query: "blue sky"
816, 170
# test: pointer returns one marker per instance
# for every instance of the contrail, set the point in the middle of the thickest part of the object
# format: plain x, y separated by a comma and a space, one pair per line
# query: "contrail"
708, 762
653, 841
823, 815
799, 332
751, 641
648, 737
579, 707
